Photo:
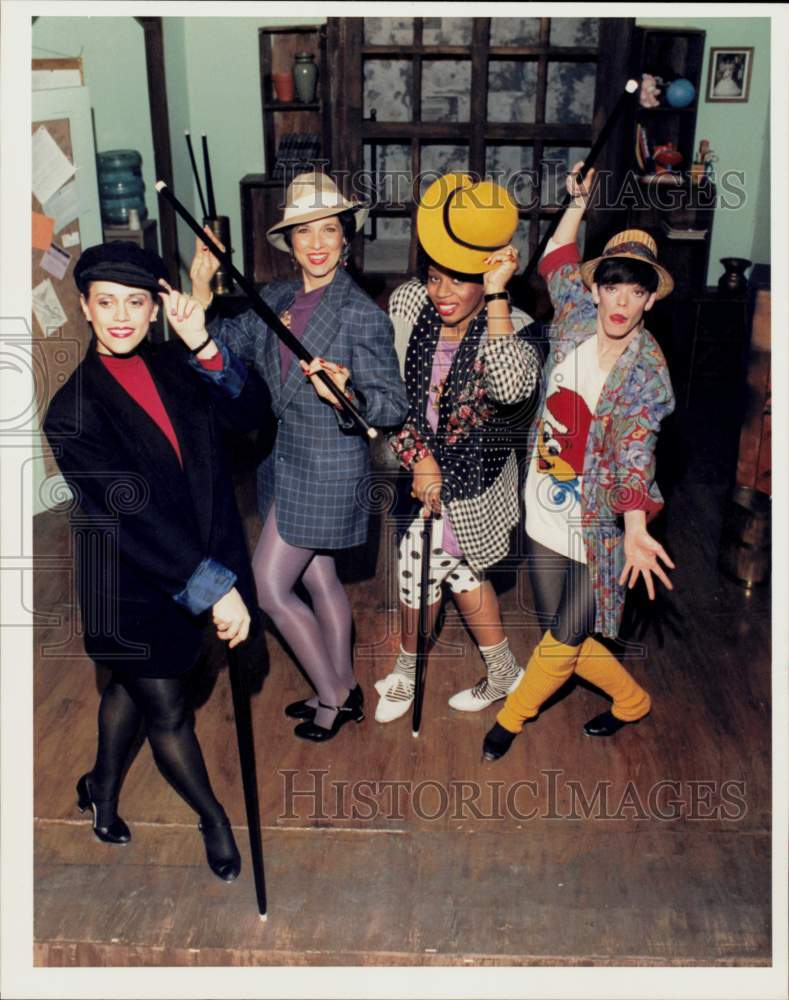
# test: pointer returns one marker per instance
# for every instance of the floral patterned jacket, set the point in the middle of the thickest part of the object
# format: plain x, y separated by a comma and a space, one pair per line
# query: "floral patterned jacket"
619, 461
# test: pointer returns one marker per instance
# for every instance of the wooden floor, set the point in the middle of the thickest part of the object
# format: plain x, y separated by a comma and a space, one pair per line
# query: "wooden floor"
650, 848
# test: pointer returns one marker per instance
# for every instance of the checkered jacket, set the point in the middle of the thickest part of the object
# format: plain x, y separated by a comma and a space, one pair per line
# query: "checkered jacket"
317, 472
488, 389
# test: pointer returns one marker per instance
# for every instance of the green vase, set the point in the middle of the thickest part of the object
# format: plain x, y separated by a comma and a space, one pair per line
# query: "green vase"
305, 76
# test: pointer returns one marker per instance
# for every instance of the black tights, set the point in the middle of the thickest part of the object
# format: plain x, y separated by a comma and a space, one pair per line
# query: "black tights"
159, 702
563, 594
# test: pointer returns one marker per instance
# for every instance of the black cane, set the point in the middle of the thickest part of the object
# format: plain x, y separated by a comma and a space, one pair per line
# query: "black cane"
267, 314
246, 756
196, 175
209, 184
423, 633
630, 88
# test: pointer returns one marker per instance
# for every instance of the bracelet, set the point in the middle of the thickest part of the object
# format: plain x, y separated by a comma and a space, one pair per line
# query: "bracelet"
196, 350
497, 295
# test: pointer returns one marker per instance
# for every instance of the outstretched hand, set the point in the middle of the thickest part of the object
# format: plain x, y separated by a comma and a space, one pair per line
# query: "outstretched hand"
642, 553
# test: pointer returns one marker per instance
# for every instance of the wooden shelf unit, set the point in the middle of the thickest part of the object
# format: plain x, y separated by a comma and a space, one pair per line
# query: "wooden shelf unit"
277, 47
262, 197
673, 53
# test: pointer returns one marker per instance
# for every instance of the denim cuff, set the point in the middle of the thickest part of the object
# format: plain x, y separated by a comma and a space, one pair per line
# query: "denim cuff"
233, 376
210, 581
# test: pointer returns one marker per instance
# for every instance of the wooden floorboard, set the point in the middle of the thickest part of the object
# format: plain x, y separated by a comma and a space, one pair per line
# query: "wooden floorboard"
562, 894
651, 848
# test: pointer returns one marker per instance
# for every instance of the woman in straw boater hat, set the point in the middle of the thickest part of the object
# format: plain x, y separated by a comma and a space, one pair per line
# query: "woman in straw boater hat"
466, 371
134, 431
312, 486
590, 487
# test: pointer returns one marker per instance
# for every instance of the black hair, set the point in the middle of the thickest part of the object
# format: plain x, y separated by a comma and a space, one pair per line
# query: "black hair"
626, 271
424, 261
347, 220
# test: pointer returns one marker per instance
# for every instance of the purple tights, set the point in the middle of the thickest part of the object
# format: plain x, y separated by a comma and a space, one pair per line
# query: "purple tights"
320, 636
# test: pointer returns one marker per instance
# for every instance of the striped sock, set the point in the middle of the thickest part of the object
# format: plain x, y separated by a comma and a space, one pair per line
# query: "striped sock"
502, 666
405, 664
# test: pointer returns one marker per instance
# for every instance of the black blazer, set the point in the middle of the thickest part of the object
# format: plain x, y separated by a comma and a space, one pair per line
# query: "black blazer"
142, 524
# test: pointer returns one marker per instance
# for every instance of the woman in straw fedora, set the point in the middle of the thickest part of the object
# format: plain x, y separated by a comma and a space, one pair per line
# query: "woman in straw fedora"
311, 486
467, 372
590, 487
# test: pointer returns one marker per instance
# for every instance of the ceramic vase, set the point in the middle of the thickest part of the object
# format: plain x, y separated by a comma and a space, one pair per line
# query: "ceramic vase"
733, 280
305, 76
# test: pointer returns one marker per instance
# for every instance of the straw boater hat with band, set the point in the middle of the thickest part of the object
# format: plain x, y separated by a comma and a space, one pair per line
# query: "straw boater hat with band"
460, 222
311, 196
632, 244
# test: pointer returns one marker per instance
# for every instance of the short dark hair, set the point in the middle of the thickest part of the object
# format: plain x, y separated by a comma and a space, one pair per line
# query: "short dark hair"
626, 271
424, 261
346, 219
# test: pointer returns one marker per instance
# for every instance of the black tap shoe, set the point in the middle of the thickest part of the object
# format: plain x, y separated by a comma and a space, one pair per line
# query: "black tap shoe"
351, 711
606, 724
220, 850
107, 824
497, 742
301, 710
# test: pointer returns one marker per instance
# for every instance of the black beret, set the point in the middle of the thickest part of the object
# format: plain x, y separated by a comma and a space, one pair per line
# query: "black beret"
122, 262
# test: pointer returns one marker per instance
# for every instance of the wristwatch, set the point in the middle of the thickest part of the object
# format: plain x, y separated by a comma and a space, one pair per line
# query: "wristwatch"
498, 295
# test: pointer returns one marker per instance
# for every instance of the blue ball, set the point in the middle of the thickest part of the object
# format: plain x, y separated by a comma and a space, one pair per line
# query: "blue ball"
680, 93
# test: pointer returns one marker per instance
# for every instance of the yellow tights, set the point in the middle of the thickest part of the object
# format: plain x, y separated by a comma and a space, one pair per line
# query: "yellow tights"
552, 663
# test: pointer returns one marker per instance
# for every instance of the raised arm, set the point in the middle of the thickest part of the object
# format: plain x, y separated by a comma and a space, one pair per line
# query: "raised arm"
572, 217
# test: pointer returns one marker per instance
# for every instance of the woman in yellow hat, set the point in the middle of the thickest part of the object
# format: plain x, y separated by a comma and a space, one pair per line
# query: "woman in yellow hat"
591, 485
466, 369
311, 486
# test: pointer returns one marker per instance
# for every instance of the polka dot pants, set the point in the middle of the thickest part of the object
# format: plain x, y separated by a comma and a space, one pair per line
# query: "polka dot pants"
454, 570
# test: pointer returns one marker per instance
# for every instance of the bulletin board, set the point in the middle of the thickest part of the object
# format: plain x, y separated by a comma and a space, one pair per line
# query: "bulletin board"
62, 226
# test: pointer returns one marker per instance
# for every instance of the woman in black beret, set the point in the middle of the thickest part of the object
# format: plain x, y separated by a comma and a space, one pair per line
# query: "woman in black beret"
159, 543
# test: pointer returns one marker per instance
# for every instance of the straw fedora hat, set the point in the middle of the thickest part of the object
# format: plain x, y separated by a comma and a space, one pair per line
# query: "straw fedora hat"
312, 196
461, 221
634, 244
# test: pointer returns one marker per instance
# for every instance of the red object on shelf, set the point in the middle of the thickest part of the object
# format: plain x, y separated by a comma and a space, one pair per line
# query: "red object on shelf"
283, 86
666, 157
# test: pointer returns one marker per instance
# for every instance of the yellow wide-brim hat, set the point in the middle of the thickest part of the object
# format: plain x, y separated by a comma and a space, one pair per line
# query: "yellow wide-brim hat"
311, 196
634, 244
460, 222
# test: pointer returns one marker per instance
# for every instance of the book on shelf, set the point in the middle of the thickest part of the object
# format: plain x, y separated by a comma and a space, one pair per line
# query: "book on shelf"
683, 232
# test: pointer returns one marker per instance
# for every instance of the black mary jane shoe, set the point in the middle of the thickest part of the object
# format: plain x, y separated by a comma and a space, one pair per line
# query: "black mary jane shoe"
107, 824
220, 850
606, 724
302, 710
351, 711
497, 742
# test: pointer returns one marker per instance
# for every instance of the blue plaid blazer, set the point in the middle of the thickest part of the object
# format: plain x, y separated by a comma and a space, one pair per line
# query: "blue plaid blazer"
318, 471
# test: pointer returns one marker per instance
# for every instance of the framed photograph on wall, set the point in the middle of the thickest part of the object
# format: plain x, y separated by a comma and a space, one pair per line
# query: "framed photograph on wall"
730, 75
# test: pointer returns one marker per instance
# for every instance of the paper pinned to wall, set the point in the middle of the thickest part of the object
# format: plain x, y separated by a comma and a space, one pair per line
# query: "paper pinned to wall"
63, 206
42, 231
56, 261
47, 308
70, 239
51, 167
